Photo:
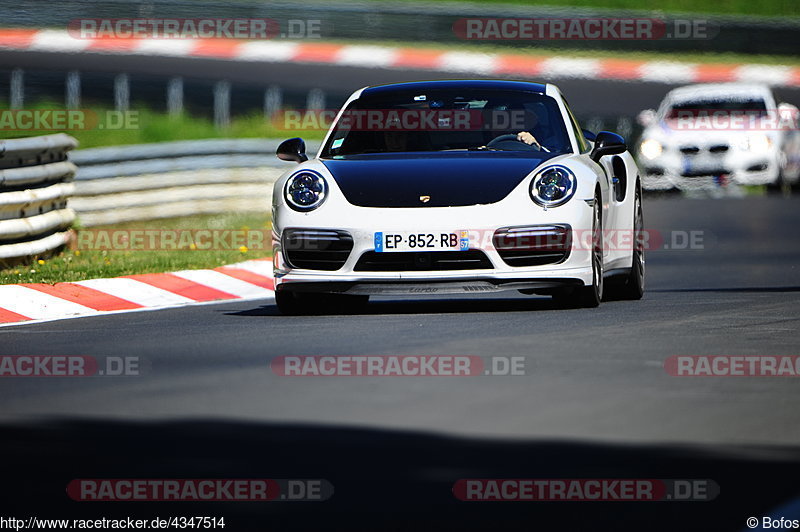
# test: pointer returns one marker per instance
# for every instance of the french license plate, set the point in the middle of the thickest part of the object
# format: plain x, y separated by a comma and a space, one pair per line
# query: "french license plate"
421, 241
702, 165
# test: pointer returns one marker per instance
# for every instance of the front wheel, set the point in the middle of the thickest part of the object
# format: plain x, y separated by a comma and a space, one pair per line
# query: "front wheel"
633, 286
591, 295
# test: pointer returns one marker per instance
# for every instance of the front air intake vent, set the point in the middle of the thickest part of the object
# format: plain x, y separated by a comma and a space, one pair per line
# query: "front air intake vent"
316, 249
534, 245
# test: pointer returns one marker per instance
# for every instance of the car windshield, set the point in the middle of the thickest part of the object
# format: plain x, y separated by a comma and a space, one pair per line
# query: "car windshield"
747, 106
441, 120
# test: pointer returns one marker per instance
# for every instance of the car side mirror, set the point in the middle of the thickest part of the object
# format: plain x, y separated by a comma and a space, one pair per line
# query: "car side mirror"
607, 143
646, 117
588, 135
788, 116
292, 150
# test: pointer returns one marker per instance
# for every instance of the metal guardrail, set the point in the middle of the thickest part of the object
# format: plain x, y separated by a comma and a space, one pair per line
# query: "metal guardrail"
35, 184
150, 181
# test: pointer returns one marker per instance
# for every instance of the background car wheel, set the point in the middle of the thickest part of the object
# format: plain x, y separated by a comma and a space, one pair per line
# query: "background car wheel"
785, 186
633, 286
589, 296
301, 303
781, 186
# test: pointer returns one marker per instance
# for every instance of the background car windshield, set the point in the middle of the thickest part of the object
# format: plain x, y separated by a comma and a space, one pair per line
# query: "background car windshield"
755, 106
439, 120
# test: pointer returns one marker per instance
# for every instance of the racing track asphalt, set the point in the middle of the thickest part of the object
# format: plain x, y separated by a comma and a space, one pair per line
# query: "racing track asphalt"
596, 402
605, 98
592, 374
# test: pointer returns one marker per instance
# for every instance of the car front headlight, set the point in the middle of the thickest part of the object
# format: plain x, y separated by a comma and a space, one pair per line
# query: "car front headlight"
758, 143
305, 190
553, 186
650, 149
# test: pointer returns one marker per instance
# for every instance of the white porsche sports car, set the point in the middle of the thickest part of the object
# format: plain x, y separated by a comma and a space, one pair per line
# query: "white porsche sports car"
709, 135
454, 187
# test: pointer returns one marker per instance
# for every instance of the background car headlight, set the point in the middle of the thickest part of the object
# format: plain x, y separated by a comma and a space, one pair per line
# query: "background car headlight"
650, 149
756, 143
553, 186
305, 190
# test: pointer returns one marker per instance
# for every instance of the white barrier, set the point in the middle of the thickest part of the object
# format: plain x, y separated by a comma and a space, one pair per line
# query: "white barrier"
35, 184
130, 183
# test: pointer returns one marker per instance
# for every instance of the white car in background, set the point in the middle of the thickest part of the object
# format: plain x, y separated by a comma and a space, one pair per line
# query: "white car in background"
712, 135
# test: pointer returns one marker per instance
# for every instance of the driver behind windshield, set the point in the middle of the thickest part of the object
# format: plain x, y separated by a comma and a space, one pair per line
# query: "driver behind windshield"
534, 131
510, 121
524, 122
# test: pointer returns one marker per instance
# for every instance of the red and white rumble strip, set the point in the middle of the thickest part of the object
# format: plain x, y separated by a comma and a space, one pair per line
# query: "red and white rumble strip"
43, 302
517, 65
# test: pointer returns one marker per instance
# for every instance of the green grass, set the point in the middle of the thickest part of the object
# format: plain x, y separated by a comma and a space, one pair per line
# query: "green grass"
150, 126
770, 8
80, 264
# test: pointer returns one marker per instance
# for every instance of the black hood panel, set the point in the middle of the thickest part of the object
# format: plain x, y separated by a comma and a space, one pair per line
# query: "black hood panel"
450, 179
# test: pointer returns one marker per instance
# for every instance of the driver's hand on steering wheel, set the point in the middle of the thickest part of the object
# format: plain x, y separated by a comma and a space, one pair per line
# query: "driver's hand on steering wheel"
527, 138
530, 140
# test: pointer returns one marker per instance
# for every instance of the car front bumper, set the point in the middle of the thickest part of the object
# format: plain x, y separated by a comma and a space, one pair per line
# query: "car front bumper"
480, 221
671, 171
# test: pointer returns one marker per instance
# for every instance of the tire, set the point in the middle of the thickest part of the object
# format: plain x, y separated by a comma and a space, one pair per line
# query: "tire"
781, 185
784, 186
633, 287
304, 304
589, 296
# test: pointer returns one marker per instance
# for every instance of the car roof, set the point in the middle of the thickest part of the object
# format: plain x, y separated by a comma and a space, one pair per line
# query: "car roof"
479, 84
719, 91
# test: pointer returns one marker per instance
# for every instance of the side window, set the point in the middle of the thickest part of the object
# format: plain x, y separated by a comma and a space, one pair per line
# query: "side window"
583, 145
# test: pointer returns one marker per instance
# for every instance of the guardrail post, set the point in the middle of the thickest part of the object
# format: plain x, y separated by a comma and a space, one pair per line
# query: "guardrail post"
73, 89
273, 101
594, 124
17, 89
624, 127
122, 92
175, 96
222, 104
315, 100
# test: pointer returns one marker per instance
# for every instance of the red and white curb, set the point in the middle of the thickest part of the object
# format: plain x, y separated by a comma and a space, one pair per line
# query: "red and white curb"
519, 65
44, 302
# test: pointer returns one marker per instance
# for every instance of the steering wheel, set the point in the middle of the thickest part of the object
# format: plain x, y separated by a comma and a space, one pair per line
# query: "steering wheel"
510, 142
